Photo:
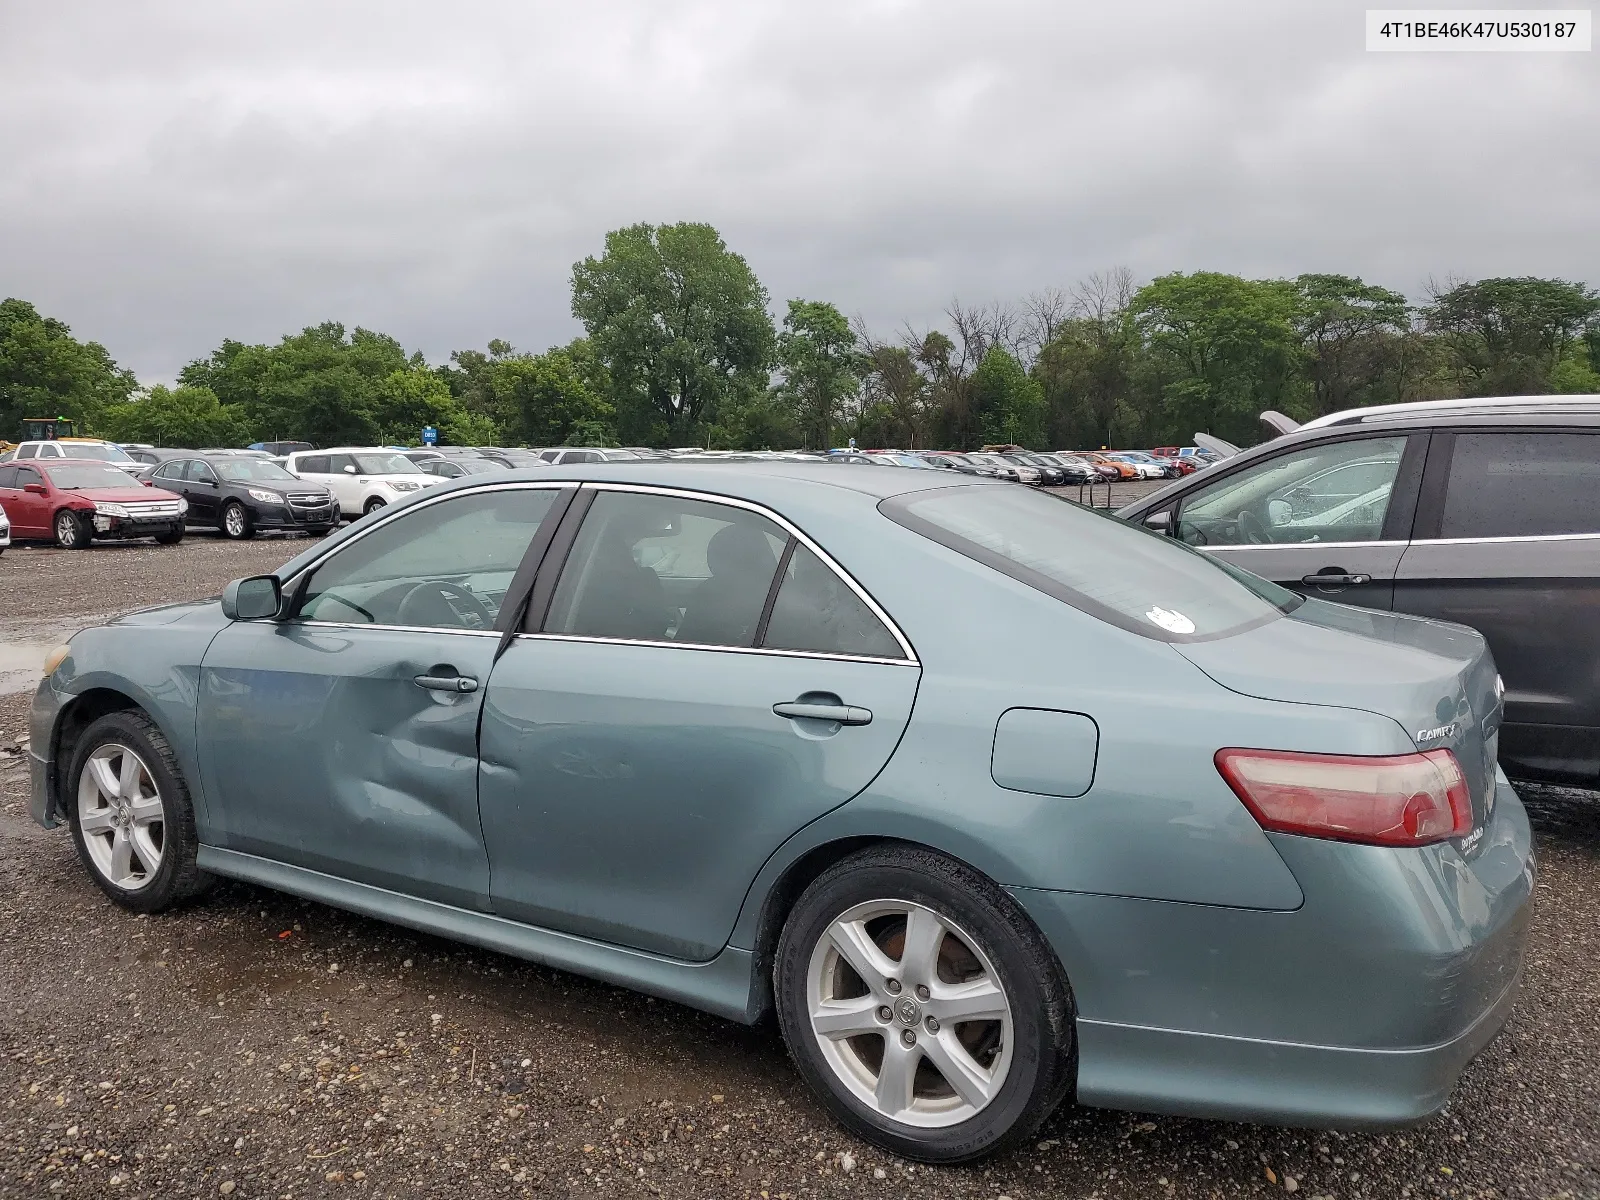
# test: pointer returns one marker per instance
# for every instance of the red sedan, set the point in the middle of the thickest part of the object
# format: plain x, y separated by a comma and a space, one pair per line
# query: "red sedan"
72, 503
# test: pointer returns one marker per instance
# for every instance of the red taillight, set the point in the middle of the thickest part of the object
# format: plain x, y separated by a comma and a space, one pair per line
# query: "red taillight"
1405, 800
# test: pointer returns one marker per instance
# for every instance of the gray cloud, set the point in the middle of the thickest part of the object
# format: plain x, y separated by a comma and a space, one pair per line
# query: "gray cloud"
175, 174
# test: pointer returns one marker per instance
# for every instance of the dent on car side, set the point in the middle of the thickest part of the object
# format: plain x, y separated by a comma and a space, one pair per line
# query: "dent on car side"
1214, 966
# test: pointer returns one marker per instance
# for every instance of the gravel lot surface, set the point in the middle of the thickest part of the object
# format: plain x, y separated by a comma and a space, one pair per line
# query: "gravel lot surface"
255, 1045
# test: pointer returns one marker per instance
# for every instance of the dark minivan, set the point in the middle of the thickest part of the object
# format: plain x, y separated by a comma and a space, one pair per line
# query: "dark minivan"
239, 495
1483, 512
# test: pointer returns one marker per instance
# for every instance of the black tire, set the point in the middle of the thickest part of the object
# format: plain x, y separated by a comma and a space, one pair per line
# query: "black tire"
72, 531
178, 878
373, 505
1043, 1020
236, 517
170, 539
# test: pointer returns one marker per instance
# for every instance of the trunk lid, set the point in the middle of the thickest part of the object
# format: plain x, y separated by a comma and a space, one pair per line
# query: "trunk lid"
1436, 679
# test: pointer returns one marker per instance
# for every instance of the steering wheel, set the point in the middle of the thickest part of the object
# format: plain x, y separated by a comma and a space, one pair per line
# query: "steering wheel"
425, 603
1251, 528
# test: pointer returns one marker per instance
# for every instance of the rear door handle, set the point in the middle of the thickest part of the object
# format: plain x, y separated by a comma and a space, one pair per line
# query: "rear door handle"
844, 714
1334, 580
447, 683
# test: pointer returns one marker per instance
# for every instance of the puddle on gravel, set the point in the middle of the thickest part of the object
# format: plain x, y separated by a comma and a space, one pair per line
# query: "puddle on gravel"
22, 663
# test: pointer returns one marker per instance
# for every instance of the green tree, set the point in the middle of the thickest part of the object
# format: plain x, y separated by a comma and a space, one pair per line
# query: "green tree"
680, 323
1346, 327
818, 356
46, 372
188, 417
1504, 337
548, 399
1007, 402
1224, 349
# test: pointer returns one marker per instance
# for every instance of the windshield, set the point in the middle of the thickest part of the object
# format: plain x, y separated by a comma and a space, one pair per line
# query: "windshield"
249, 469
1128, 576
386, 464
99, 451
88, 475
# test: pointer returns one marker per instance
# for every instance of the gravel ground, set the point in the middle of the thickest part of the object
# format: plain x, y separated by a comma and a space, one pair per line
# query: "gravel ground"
256, 1045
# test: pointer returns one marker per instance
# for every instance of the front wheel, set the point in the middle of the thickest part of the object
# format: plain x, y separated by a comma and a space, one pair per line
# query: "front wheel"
132, 819
237, 522
373, 506
922, 1006
171, 538
72, 531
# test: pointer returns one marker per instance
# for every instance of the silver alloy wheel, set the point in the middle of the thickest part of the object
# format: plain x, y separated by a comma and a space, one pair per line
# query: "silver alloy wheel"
120, 816
68, 530
234, 520
909, 1013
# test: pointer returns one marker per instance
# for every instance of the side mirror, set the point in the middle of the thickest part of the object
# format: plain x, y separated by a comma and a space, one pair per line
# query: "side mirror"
1159, 522
148, 482
38, 489
350, 469
254, 599
213, 483
1279, 512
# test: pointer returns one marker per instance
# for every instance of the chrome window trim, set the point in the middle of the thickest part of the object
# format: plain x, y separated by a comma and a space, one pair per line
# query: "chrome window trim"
1520, 537
299, 623
665, 645
795, 532
1301, 545
401, 511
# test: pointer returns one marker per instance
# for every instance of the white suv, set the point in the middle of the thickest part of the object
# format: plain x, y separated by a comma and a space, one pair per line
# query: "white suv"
88, 448
360, 478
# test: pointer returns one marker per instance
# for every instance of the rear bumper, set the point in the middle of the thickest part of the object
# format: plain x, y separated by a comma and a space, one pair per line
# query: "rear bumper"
1359, 1008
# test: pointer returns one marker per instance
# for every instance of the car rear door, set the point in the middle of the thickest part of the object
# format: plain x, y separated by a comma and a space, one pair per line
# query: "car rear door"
696, 685
29, 511
1330, 519
1508, 541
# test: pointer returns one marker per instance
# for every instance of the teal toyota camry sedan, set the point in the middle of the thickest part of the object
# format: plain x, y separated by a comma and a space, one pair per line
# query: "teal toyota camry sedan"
990, 799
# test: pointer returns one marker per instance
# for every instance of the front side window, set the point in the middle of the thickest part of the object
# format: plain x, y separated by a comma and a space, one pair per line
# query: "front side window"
1336, 492
1523, 485
446, 565
1124, 575
651, 567
200, 471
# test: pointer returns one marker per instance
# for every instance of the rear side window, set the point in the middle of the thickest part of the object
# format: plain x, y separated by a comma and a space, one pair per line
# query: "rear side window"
1151, 585
8, 477
816, 610
313, 464
1523, 485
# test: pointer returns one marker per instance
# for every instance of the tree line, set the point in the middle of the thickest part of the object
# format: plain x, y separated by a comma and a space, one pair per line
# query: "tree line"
681, 347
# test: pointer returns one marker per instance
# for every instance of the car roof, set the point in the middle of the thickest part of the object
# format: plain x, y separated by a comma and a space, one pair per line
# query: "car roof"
1482, 406
748, 477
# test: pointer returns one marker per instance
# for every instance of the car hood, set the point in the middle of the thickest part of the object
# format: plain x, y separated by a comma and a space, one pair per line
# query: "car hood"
1436, 679
123, 495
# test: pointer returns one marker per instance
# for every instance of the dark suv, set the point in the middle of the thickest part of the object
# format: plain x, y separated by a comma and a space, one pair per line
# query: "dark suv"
240, 494
1482, 512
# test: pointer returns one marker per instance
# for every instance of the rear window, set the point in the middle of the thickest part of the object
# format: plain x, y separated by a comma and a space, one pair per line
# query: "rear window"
1128, 576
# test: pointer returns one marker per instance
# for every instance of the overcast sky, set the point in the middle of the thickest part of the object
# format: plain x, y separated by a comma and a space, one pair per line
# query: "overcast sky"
173, 174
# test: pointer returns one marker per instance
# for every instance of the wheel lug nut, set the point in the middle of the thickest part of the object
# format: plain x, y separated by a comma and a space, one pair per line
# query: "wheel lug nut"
893, 987
909, 1037
884, 1014
933, 1024
922, 991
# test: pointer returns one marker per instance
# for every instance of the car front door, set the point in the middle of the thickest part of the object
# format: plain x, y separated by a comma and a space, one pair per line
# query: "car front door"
1329, 520
29, 511
1508, 542
344, 737
203, 490
697, 685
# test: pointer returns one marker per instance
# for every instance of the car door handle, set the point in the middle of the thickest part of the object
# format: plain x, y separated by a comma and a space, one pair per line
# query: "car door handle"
1334, 579
844, 714
447, 683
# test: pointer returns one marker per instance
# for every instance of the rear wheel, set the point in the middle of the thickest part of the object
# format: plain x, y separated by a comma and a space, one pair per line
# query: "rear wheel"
922, 1006
132, 819
72, 531
237, 523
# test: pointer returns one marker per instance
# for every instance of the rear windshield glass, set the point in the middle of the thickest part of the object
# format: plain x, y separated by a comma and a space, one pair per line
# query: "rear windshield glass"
1120, 573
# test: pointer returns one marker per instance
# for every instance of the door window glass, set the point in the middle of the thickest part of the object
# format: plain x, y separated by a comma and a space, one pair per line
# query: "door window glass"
170, 470
816, 610
1523, 485
441, 566
8, 477
312, 464
337, 464
200, 471
28, 452
649, 567
1328, 493
27, 475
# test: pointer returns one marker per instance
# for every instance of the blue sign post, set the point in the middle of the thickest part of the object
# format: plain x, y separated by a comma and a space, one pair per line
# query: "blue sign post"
430, 436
